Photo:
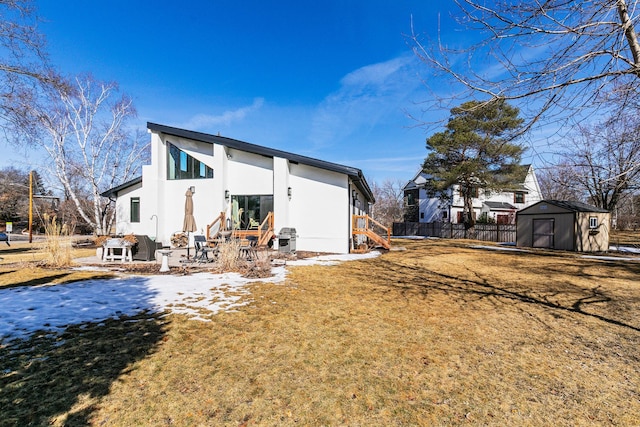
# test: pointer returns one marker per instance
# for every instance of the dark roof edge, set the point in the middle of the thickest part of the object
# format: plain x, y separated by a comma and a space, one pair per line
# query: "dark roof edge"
114, 191
356, 174
569, 205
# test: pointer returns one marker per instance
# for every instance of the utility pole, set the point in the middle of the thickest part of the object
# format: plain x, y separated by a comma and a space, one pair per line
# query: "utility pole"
30, 206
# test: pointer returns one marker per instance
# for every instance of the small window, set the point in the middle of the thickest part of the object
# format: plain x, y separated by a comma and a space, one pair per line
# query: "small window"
444, 215
593, 222
135, 209
474, 191
518, 197
411, 197
421, 215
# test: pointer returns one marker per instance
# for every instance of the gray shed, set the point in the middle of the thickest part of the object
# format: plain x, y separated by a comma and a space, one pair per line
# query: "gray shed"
565, 225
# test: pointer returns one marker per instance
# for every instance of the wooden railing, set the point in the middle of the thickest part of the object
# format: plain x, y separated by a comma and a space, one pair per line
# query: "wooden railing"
263, 232
222, 220
372, 231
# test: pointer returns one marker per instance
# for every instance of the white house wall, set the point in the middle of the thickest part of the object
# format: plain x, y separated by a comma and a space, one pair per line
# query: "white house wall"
249, 173
319, 208
430, 209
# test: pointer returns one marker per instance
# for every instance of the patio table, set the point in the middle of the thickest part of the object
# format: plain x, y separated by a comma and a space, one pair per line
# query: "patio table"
111, 245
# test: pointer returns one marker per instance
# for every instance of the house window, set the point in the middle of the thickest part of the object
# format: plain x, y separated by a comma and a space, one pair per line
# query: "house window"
411, 197
518, 197
474, 191
180, 165
593, 222
421, 215
135, 209
444, 214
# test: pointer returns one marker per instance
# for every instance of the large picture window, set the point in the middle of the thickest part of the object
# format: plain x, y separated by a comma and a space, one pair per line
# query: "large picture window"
180, 165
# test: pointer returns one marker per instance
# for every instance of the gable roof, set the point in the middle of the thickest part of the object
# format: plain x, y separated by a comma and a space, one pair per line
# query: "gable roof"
575, 206
355, 174
519, 176
569, 205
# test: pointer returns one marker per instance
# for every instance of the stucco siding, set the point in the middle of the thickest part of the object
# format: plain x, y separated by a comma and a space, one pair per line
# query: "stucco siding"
319, 209
315, 197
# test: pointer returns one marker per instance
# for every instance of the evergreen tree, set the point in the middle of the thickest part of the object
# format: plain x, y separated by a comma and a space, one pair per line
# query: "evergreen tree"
476, 151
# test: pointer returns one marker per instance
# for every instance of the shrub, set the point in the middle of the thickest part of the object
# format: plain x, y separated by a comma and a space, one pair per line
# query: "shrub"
57, 245
229, 255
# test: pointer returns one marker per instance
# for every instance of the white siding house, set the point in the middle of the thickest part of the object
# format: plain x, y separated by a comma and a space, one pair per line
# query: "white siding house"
246, 182
500, 207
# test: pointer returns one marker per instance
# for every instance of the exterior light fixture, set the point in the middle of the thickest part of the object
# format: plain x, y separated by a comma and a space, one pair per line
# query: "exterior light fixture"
226, 195
192, 189
354, 195
289, 192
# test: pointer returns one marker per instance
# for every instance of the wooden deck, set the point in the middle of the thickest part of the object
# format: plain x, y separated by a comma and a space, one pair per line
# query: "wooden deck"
367, 232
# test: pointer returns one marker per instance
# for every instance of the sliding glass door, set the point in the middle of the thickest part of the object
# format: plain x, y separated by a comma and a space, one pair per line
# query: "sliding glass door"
248, 212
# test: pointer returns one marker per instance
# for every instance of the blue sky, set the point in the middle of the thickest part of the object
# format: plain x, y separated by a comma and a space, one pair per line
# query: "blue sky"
333, 80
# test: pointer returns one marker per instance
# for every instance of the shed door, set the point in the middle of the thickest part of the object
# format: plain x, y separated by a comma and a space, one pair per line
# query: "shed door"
543, 233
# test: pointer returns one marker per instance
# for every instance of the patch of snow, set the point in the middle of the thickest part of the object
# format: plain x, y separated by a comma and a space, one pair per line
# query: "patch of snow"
610, 258
27, 309
624, 249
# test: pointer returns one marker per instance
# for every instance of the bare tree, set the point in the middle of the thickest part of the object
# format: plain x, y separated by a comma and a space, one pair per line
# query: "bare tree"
24, 65
557, 182
389, 197
605, 159
82, 128
564, 57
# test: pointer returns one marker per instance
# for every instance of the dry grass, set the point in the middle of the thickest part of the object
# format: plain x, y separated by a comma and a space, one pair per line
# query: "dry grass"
438, 334
625, 237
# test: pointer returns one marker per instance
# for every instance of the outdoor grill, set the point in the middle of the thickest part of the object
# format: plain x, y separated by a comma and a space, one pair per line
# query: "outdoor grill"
287, 240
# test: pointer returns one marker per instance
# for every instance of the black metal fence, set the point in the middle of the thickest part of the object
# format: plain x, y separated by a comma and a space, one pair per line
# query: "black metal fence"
487, 232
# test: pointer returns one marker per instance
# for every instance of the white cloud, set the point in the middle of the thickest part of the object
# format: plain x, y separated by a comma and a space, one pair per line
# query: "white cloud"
204, 122
367, 97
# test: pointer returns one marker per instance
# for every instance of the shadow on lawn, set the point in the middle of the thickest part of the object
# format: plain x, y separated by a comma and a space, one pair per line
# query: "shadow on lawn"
12, 250
566, 299
46, 375
50, 279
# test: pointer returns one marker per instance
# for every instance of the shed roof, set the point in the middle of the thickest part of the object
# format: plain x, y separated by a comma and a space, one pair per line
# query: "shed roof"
569, 205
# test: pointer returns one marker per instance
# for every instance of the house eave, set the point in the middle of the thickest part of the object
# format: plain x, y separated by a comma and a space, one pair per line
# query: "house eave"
355, 174
115, 190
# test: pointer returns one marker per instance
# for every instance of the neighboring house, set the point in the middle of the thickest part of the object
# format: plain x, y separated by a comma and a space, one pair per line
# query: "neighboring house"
566, 225
500, 207
249, 183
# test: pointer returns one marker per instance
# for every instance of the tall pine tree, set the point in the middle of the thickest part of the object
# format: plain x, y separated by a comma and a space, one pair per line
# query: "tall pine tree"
476, 151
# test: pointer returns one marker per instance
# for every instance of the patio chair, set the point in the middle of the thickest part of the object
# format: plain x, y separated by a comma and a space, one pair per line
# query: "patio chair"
247, 248
145, 249
202, 249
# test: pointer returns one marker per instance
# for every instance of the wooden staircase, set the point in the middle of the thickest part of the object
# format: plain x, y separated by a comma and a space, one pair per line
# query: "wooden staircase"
377, 235
263, 232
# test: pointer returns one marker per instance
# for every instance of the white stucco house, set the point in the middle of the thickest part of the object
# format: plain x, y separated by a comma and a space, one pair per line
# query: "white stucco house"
248, 183
500, 207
